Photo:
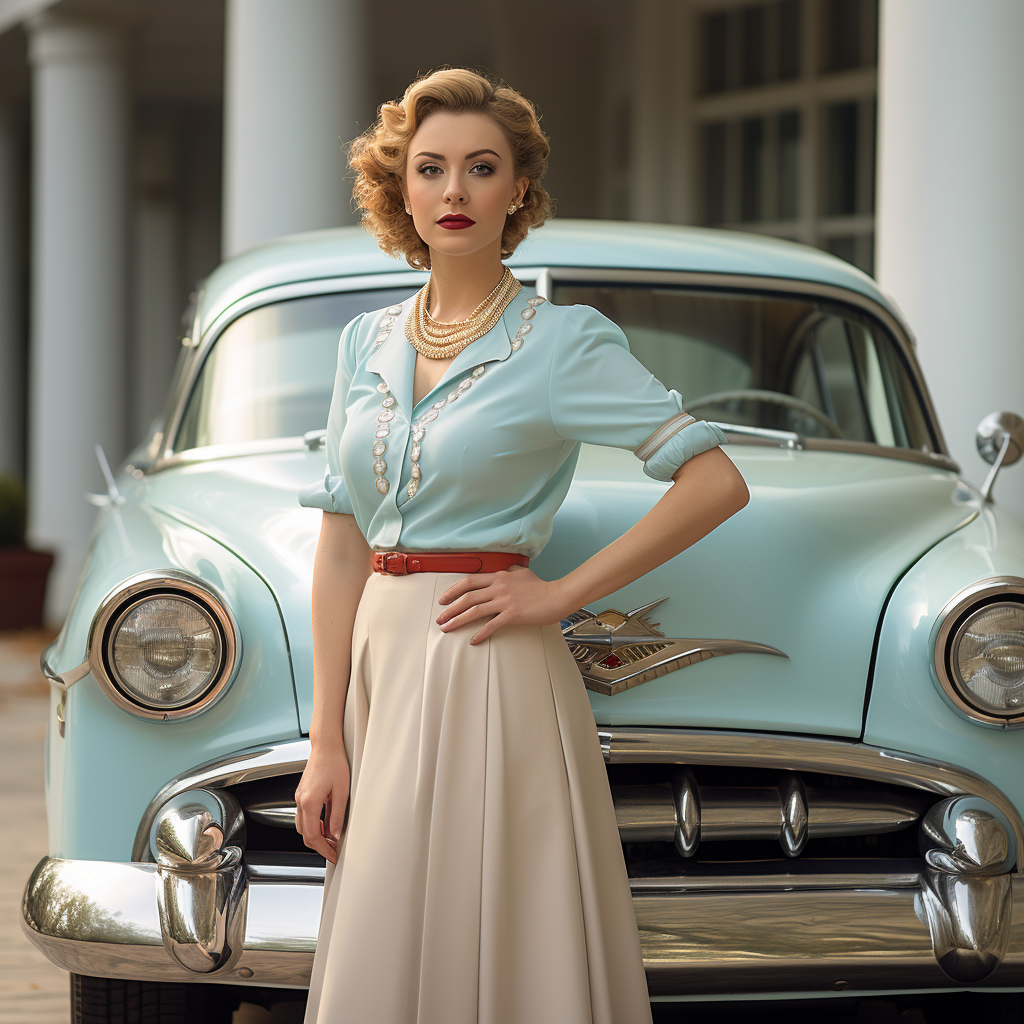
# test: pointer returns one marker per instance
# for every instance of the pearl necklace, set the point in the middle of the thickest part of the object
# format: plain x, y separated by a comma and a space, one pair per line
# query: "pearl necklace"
438, 340
419, 425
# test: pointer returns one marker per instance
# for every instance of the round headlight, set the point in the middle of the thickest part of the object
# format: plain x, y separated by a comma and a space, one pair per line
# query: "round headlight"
163, 645
987, 659
165, 651
979, 651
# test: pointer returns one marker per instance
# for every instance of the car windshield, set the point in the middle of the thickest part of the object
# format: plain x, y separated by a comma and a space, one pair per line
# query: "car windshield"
270, 374
759, 361
815, 368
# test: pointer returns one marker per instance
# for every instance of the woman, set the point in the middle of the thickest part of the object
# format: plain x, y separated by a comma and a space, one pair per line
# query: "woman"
479, 875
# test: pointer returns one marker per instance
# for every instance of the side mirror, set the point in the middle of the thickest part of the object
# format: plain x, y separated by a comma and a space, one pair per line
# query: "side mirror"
1000, 440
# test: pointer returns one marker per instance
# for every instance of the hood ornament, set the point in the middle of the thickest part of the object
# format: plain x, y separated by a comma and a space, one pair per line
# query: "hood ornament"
616, 651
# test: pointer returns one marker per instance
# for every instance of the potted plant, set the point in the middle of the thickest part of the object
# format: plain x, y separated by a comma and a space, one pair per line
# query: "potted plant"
23, 570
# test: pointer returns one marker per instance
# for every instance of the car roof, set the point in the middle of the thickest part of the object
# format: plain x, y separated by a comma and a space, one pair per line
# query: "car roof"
562, 242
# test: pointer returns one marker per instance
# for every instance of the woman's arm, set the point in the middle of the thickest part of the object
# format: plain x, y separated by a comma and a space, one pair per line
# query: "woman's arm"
706, 490
340, 570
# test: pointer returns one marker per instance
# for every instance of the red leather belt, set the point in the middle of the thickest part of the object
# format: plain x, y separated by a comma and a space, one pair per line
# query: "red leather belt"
399, 563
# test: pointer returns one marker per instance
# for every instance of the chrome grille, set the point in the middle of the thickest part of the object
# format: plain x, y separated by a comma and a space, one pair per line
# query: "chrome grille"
746, 808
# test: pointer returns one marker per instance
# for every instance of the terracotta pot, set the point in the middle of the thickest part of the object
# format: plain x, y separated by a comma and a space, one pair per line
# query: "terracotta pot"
23, 574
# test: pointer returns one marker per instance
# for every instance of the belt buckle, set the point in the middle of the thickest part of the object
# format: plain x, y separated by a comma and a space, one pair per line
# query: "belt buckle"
400, 555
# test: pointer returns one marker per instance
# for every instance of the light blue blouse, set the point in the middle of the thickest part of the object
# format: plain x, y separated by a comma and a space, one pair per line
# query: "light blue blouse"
484, 460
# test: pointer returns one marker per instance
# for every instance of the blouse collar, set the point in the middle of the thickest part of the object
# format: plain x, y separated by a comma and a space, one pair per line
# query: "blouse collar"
395, 360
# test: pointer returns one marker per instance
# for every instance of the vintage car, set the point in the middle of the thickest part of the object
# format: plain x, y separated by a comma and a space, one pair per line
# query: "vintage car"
810, 718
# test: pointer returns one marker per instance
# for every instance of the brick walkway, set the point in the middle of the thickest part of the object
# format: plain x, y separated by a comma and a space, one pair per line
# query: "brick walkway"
32, 990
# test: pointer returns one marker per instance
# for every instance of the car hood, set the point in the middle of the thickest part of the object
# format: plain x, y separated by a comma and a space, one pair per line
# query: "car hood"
805, 568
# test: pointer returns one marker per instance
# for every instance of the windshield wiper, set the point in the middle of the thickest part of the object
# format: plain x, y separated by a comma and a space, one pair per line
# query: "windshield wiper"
784, 438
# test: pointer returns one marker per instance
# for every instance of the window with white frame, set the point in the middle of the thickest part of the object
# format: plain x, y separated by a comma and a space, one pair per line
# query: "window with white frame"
785, 110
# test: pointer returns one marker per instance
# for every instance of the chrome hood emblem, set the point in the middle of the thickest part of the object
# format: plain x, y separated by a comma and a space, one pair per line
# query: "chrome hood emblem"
616, 650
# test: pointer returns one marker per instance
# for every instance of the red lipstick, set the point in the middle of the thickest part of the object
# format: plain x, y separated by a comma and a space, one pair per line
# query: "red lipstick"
455, 221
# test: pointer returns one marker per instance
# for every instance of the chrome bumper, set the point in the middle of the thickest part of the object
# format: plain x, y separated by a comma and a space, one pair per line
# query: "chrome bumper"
782, 933
103, 919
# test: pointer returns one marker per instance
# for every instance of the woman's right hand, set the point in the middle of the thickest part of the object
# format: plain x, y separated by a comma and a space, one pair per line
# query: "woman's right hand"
325, 780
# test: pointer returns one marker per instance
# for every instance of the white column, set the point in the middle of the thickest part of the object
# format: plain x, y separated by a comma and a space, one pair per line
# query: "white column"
157, 295
76, 356
12, 406
950, 243
649, 142
293, 85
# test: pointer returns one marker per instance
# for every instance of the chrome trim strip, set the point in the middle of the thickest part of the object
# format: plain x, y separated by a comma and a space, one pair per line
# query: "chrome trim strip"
780, 882
957, 606
137, 586
821, 444
698, 935
777, 286
661, 434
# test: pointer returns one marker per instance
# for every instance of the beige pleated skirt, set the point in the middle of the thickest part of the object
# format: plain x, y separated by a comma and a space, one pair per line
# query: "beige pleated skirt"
480, 879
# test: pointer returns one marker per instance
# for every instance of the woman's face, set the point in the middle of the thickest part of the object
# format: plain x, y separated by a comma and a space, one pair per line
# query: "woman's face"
459, 181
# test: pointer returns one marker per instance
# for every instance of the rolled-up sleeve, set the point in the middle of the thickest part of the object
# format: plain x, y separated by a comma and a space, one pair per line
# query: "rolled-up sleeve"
330, 493
600, 393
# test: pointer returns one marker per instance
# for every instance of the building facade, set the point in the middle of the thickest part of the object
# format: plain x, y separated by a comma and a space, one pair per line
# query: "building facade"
141, 141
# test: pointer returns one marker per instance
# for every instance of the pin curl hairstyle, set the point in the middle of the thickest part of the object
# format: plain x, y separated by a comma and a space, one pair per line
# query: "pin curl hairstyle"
378, 157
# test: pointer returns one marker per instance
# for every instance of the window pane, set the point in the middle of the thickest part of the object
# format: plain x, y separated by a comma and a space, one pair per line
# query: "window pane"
789, 39
751, 167
789, 164
716, 51
714, 173
814, 367
842, 158
842, 35
752, 46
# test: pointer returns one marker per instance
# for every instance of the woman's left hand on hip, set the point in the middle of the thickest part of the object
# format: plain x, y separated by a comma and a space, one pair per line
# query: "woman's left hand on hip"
512, 596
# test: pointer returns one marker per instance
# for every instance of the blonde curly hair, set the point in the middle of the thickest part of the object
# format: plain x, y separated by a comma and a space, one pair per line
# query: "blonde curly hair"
378, 157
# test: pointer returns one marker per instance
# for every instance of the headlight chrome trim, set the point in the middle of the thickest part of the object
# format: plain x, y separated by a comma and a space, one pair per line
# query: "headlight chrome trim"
972, 598
155, 583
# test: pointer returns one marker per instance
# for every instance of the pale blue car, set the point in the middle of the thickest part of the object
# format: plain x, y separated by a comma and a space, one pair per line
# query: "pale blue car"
810, 719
